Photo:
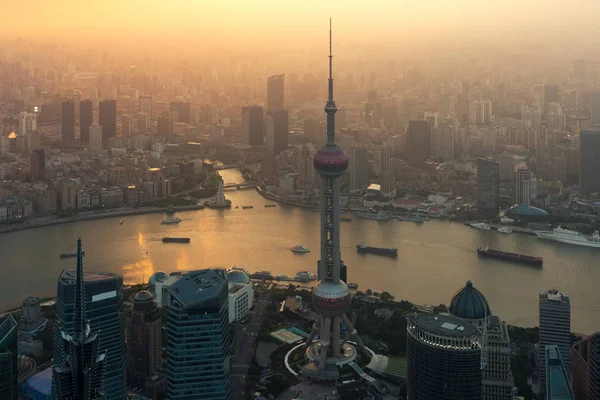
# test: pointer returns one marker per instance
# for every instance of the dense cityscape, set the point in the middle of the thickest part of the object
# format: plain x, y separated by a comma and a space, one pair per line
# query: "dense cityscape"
504, 145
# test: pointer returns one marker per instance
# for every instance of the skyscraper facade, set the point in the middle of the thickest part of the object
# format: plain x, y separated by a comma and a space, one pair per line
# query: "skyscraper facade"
107, 119
164, 125
144, 339
418, 142
523, 186
585, 359
78, 363
330, 296
480, 112
198, 346
558, 381
252, 125
277, 130
360, 168
488, 185
387, 177
183, 110
589, 162
275, 92
444, 358
67, 118
555, 329
95, 140
9, 366
38, 165
146, 105
306, 170
104, 310
86, 118
551, 95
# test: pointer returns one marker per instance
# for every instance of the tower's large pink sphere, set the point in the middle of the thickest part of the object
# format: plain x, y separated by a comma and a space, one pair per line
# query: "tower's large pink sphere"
330, 161
331, 299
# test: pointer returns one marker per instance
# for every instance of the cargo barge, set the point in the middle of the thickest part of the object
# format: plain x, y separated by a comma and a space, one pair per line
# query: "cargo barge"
363, 248
512, 257
175, 240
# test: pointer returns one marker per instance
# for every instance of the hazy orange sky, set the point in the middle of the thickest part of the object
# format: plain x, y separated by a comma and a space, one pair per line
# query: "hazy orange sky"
231, 20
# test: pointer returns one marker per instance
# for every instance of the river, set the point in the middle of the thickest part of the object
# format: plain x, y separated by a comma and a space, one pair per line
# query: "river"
434, 259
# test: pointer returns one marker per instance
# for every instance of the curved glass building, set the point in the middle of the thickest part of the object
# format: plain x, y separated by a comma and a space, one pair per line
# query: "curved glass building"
444, 358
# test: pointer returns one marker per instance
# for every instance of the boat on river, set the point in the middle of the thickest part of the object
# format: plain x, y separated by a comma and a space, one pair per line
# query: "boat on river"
175, 240
512, 257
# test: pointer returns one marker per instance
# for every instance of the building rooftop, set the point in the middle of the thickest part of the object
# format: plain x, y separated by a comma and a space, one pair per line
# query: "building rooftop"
524, 210
444, 325
469, 303
236, 276
40, 383
198, 286
68, 276
554, 295
557, 383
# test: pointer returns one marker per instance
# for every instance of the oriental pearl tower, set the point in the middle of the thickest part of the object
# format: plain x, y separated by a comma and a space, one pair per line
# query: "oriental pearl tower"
330, 296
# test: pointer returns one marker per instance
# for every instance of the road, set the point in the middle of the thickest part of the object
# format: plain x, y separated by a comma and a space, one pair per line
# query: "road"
246, 347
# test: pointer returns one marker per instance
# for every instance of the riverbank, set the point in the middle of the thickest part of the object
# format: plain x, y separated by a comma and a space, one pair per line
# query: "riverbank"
91, 215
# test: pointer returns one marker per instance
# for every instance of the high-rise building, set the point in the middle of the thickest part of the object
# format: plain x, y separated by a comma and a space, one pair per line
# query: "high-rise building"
67, 118
79, 360
144, 339
86, 118
27, 123
241, 295
480, 112
418, 142
107, 119
9, 366
38, 165
551, 95
360, 168
275, 92
310, 130
126, 125
277, 130
523, 186
331, 296
444, 358
164, 126
252, 125
558, 380
306, 170
595, 106
386, 170
488, 185
469, 304
586, 367
103, 295
555, 329
183, 110
146, 105
143, 122
589, 162
198, 346
95, 140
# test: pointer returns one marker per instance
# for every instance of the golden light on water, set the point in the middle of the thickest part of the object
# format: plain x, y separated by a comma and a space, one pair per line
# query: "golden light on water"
138, 272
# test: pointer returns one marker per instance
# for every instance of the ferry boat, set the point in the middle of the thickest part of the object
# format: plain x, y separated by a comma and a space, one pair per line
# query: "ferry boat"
247, 207
353, 285
411, 218
505, 229
300, 249
363, 248
121, 222
171, 220
262, 275
270, 205
481, 225
175, 240
376, 215
570, 237
305, 276
513, 257
71, 255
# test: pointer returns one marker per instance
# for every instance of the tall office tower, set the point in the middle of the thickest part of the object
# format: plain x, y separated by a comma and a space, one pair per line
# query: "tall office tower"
595, 108
164, 126
306, 170
143, 122
86, 118
551, 95
277, 130
310, 130
555, 329
103, 296
418, 142
444, 358
580, 70
198, 343
448, 136
95, 142
387, 177
275, 92
480, 112
252, 125
79, 359
360, 168
183, 109
4, 145
330, 296
9, 366
523, 186
558, 380
488, 185
67, 118
586, 367
146, 105
126, 125
107, 119
470, 304
589, 162
37, 165
27, 123
144, 339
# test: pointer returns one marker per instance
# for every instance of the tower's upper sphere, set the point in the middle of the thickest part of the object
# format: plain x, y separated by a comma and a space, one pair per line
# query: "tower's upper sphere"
469, 303
330, 161
331, 299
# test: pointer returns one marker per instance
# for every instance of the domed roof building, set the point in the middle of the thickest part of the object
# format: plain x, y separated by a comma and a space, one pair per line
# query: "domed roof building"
157, 277
241, 294
143, 295
236, 276
469, 303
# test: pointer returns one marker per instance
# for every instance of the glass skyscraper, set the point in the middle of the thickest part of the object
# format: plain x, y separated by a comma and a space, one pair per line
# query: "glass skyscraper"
8, 359
104, 310
198, 346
